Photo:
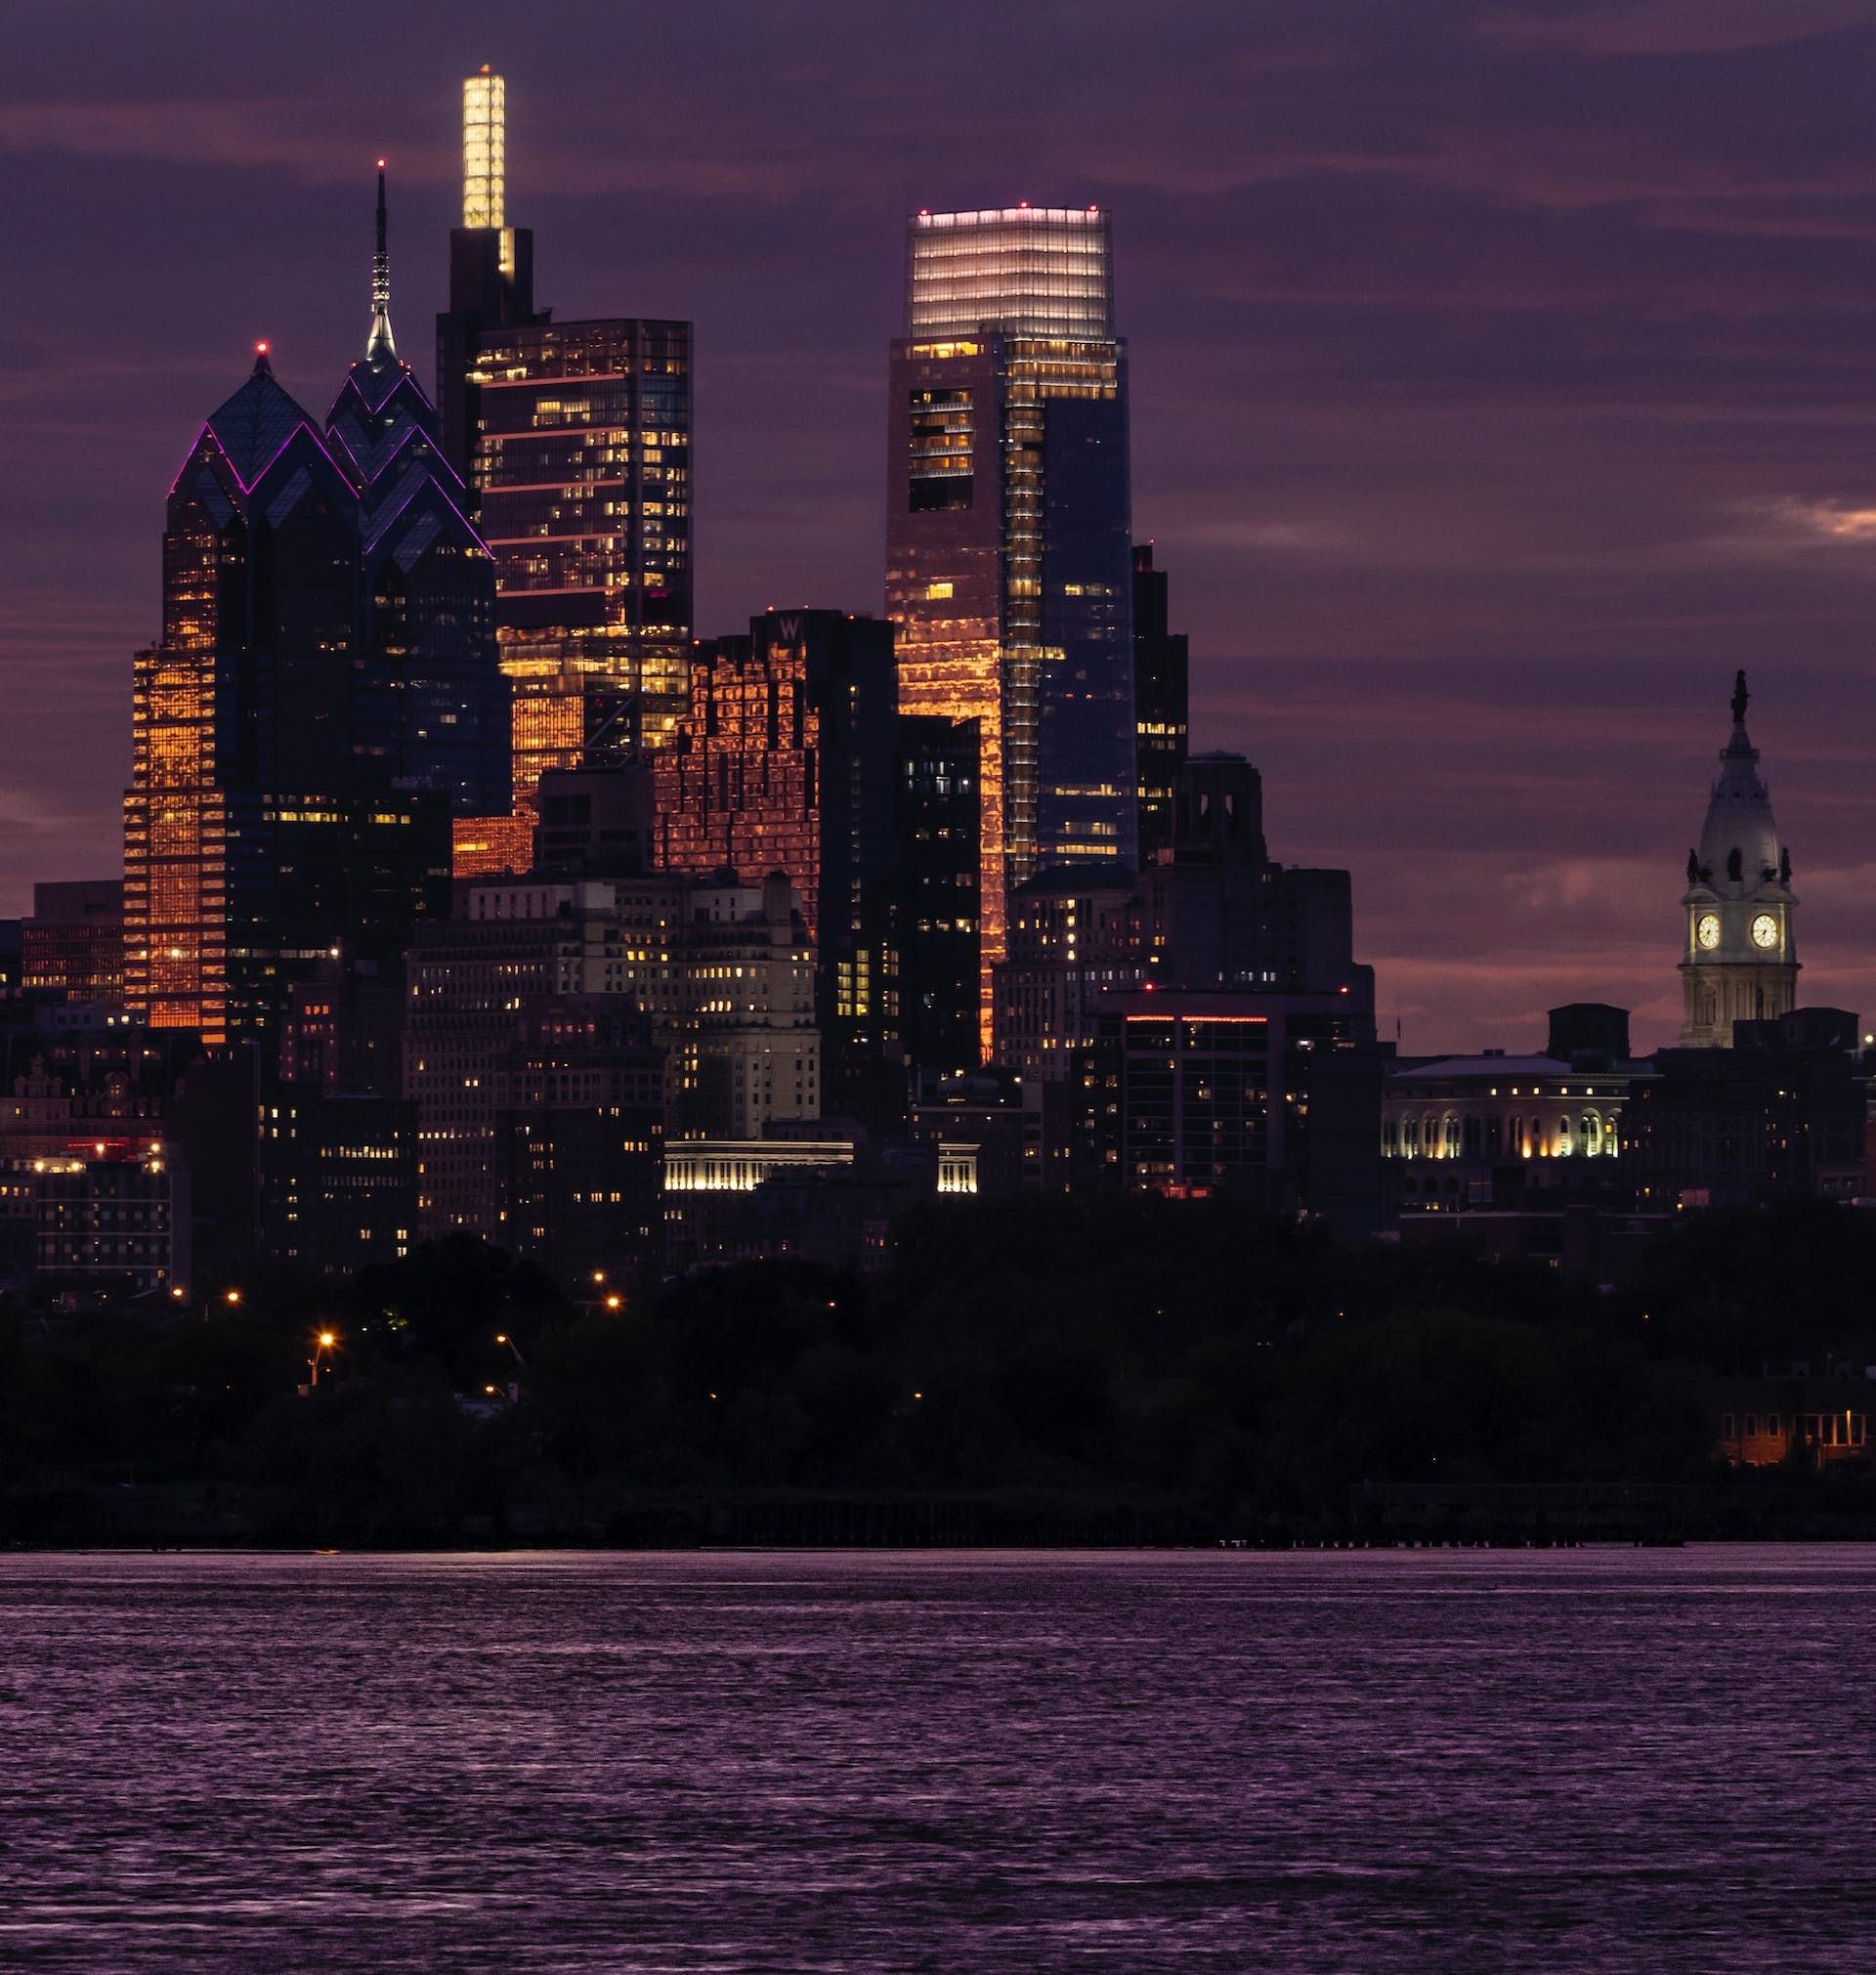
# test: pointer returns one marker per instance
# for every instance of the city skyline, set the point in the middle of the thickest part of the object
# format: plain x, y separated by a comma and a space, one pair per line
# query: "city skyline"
1471, 521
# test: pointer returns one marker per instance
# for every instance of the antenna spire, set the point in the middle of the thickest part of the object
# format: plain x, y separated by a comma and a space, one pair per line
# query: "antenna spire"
381, 346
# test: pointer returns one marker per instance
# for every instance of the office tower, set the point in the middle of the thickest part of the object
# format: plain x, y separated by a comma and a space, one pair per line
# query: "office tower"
1216, 913
784, 761
1275, 1098
429, 582
1009, 532
1076, 937
338, 1179
73, 947
1161, 694
261, 829
1739, 960
574, 439
937, 874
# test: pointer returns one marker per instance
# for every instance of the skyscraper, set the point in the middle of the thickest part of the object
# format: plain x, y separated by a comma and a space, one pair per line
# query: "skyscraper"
261, 826
1008, 532
429, 582
936, 875
574, 439
785, 763
1160, 701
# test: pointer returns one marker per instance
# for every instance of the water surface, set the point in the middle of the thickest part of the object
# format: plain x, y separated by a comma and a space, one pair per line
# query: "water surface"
1428, 1761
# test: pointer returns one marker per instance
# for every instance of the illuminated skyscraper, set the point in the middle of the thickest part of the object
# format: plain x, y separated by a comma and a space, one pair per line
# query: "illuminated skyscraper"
261, 826
1008, 532
429, 581
574, 439
785, 763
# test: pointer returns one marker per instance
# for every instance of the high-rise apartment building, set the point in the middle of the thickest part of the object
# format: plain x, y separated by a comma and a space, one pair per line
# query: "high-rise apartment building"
1161, 703
1009, 535
574, 439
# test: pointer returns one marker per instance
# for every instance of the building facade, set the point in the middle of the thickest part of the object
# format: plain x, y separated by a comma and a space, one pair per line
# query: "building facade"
1740, 962
429, 581
1215, 914
1271, 1098
784, 761
263, 826
574, 439
1008, 533
73, 947
1162, 696
721, 971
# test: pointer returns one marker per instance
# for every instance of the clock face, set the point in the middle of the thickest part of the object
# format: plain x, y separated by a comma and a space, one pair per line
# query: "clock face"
1764, 931
1706, 929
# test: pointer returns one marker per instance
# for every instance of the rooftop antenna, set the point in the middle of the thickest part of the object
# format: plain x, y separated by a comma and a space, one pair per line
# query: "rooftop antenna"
381, 346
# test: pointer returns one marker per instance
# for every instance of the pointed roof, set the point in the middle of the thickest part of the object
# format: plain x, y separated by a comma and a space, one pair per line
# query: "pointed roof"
1739, 811
253, 425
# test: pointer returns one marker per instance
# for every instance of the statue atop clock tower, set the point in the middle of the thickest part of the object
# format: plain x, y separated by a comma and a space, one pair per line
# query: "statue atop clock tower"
1739, 960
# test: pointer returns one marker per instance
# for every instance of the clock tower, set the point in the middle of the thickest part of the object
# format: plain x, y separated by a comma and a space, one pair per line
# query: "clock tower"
1739, 957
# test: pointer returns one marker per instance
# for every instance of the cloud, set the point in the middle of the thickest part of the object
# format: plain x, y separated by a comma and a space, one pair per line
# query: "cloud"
1643, 27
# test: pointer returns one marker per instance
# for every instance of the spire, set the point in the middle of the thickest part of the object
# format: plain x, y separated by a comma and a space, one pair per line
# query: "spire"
381, 346
1739, 696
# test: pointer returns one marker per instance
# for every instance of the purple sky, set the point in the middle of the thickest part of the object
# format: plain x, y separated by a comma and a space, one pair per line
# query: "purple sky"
1503, 377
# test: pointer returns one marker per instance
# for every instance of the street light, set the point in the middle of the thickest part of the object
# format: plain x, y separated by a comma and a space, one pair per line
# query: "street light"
321, 1344
233, 1298
503, 1337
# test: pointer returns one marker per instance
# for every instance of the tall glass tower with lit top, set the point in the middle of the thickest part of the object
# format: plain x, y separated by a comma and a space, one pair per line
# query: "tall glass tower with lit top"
574, 439
1009, 543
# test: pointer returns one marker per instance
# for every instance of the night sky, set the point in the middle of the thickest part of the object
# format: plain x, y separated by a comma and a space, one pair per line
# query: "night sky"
1504, 376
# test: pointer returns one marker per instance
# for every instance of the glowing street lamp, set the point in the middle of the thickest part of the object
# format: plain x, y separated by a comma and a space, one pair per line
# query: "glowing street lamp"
323, 1344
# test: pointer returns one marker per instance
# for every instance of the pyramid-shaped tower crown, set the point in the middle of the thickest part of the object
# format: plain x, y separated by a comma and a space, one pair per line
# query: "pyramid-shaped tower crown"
1739, 816
252, 426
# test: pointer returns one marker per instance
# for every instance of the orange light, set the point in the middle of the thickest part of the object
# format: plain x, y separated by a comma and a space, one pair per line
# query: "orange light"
328, 1340
615, 1300
232, 1297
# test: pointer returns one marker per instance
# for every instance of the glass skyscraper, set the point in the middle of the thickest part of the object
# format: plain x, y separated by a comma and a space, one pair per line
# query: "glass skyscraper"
262, 827
575, 441
429, 582
1009, 532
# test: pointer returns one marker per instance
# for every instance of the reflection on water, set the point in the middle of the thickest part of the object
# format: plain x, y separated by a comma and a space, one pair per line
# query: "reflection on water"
1413, 1761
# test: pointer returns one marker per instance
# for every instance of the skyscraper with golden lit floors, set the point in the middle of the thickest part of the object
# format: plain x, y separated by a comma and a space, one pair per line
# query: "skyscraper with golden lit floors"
1008, 533
263, 828
574, 439
1741, 958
